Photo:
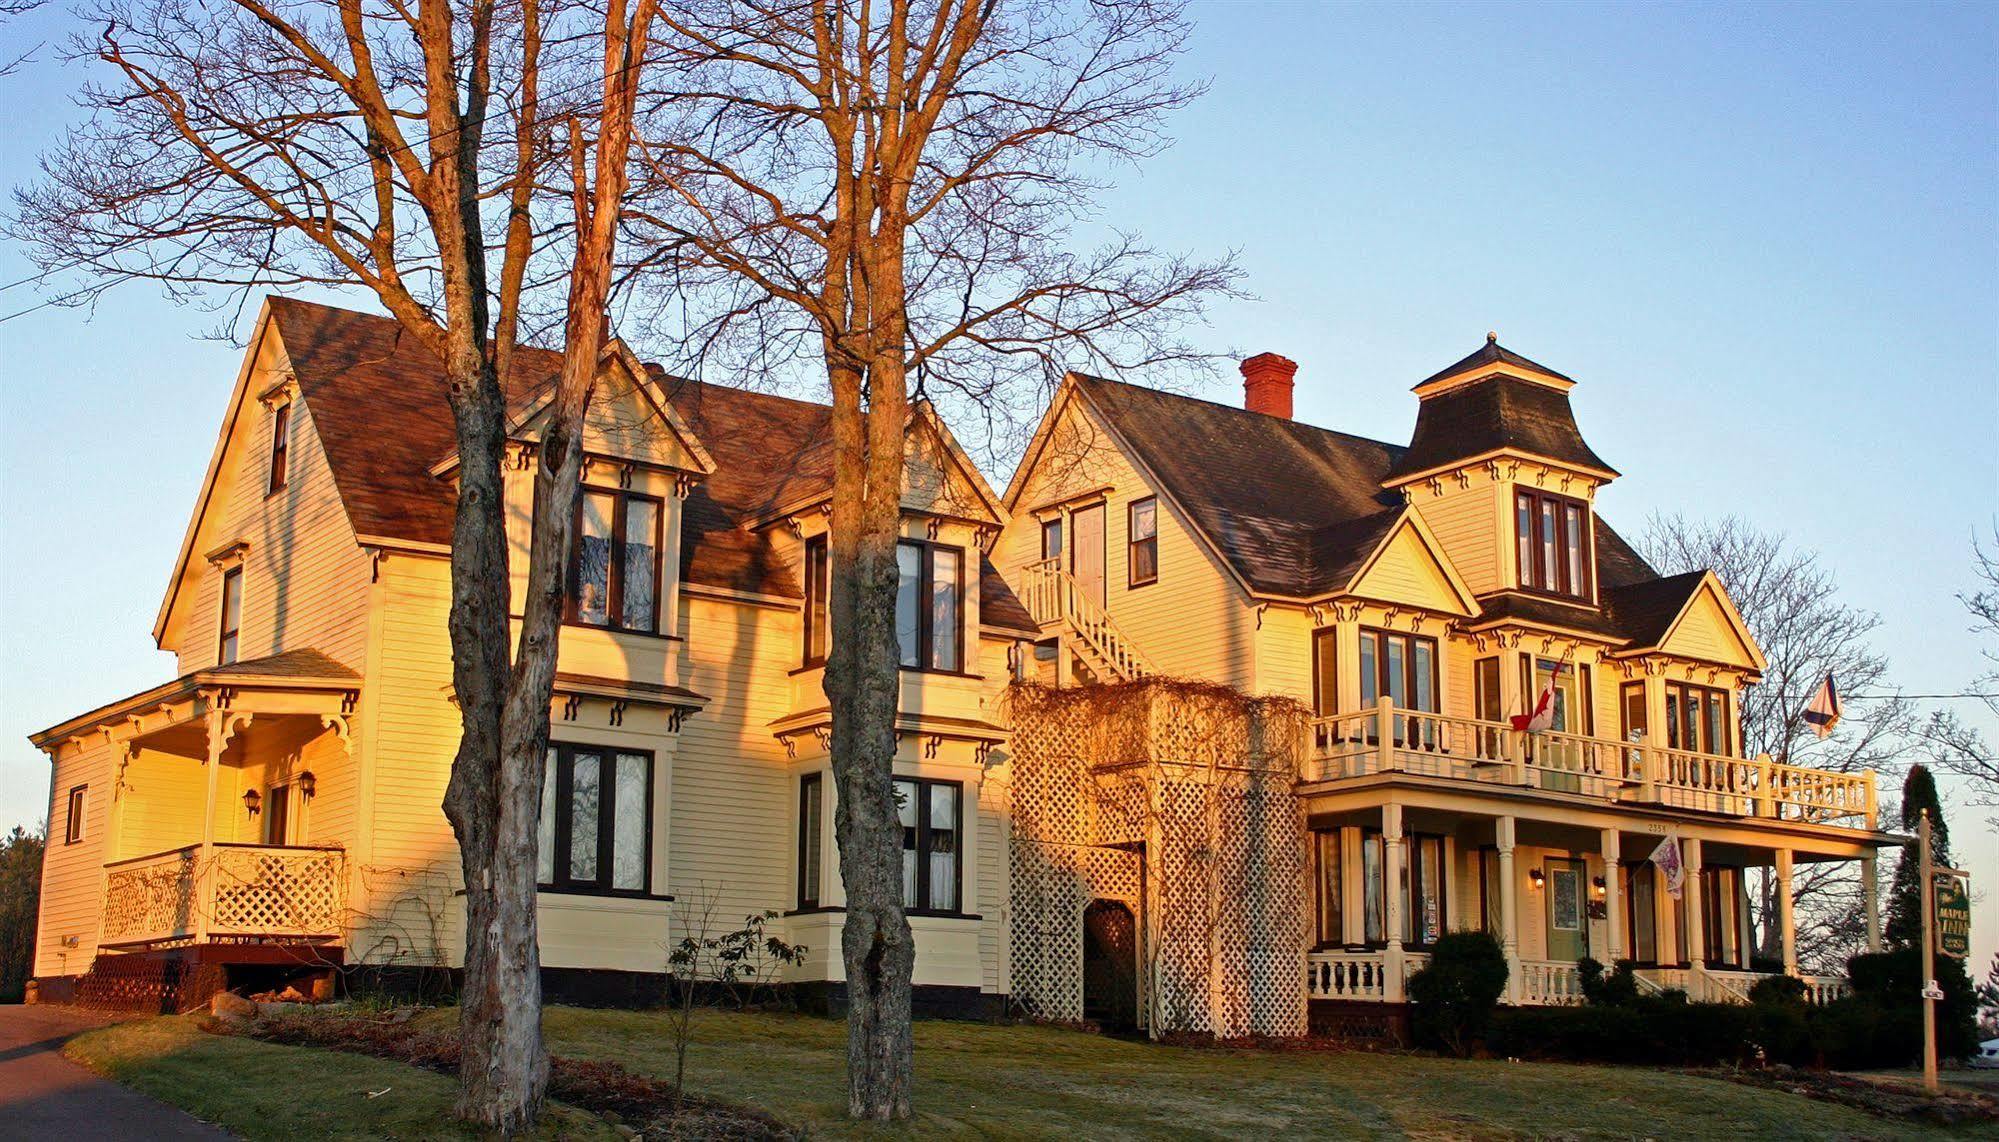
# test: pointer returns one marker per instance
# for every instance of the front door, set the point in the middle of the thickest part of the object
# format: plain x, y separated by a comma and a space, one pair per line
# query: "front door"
1086, 551
1567, 940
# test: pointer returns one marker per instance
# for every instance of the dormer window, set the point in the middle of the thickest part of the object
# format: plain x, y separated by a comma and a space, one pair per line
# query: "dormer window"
281, 432
1551, 537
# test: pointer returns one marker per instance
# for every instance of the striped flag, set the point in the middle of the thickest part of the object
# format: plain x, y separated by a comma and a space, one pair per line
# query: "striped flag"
1824, 712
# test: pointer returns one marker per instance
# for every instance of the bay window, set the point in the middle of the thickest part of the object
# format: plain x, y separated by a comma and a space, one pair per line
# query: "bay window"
595, 833
615, 576
929, 605
818, 593
811, 838
932, 815
1552, 543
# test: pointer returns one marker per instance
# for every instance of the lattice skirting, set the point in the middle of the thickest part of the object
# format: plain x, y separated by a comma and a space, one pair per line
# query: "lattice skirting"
1171, 799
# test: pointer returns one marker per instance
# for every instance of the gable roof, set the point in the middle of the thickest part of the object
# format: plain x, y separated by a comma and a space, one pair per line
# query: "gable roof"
379, 403
1293, 509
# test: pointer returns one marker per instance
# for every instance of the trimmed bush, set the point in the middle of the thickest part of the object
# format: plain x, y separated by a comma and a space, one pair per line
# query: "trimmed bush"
1778, 989
1452, 999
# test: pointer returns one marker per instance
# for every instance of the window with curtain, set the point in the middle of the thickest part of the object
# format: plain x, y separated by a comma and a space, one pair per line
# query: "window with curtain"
931, 814
1552, 543
1697, 719
1423, 919
595, 829
1489, 891
929, 605
1374, 899
1143, 556
811, 837
615, 574
1405, 668
1327, 917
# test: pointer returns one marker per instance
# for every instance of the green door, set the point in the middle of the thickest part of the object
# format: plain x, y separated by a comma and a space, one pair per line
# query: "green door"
1567, 937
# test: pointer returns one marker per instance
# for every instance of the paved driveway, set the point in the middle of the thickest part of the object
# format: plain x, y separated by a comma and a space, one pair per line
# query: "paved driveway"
43, 1095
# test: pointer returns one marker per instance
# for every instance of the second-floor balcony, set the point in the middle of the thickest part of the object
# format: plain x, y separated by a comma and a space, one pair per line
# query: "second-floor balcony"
1387, 739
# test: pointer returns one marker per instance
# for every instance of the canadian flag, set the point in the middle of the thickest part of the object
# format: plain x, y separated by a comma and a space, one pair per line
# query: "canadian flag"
1543, 714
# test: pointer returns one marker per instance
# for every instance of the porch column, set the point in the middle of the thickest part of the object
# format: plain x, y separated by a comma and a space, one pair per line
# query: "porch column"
1509, 912
1870, 887
1391, 878
218, 726
1787, 921
1613, 898
1690, 910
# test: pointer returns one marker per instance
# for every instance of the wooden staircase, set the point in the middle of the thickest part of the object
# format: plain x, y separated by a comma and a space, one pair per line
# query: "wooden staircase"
1052, 596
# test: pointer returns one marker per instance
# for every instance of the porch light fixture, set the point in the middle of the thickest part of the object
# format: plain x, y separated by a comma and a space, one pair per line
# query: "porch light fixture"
1598, 884
1535, 877
307, 785
253, 801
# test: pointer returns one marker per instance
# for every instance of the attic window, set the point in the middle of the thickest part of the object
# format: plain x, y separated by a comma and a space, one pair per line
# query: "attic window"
1552, 541
281, 431
232, 614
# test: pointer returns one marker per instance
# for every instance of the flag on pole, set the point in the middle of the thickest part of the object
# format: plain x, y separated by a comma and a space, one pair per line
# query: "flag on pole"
1543, 714
1824, 712
1667, 857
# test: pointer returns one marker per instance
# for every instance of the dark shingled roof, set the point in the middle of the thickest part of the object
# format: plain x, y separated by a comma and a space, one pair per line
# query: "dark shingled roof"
1296, 510
1292, 507
1644, 611
378, 403
1497, 412
1490, 353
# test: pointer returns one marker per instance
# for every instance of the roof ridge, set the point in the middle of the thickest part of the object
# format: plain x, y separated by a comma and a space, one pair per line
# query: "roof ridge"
1243, 411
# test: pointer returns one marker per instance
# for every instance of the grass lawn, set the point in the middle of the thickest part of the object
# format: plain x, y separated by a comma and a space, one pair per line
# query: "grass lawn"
980, 1080
266, 1091
976, 1079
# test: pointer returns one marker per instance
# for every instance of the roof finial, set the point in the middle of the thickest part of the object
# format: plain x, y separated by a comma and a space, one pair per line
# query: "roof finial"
1491, 336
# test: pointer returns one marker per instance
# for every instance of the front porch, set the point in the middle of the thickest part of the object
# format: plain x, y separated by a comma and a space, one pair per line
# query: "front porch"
1400, 860
232, 795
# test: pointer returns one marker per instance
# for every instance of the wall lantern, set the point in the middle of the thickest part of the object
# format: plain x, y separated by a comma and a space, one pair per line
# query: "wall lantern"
253, 801
1536, 877
307, 785
1599, 885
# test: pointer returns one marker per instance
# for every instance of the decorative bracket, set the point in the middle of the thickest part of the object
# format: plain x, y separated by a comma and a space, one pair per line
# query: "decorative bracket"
341, 727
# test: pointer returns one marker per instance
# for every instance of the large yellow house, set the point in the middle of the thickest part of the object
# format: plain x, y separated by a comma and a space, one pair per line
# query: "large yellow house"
277, 804
275, 808
1412, 600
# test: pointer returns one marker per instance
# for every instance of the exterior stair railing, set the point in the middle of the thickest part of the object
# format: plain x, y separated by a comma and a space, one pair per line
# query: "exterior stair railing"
1051, 595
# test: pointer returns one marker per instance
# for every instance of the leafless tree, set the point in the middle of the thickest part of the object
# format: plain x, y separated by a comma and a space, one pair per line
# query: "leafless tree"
1790, 600
466, 164
1954, 744
10, 12
892, 200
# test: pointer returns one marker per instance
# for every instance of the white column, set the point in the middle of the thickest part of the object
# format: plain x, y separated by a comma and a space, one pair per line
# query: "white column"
1613, 899
1509, 911
1690, 904
1391, 878
1787, 921
1870, 887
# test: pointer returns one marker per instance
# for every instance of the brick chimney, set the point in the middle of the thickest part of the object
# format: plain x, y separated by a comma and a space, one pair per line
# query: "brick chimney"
1267, 383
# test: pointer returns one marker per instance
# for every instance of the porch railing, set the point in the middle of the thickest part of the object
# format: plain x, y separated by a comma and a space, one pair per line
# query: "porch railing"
202, 892
1722, 985
1550, 983
1388, 739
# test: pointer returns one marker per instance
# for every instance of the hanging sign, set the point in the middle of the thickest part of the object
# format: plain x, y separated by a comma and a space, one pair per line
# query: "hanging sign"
1953, 913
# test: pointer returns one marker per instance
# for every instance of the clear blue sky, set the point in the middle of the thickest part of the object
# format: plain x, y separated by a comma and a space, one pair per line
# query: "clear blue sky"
1764, 238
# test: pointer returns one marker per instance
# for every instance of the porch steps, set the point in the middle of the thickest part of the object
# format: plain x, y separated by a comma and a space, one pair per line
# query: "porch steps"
1053, 598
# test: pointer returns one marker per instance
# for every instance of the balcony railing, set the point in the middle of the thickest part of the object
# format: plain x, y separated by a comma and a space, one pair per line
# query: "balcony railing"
1387, 739
204, 892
